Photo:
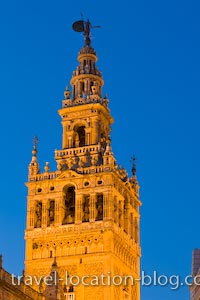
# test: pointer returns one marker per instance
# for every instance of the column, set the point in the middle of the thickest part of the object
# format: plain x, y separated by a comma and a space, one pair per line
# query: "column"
79, 94
115, 212
87, 136
137, 233
61, 209
70, 142
107, 205
132, 229
32, 217
57, 212
126, 218
95, 132
65, 139
122, 213
78, 208
45, 207
92, 207
30, 214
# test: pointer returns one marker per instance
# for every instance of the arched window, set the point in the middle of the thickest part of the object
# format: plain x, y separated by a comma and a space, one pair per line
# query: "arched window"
38, 215
69, 205
51, 212
99, 207
82, 88
79, 136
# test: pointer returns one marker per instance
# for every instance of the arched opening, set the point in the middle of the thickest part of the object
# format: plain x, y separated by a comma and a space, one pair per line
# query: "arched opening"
79, 136
99, 207
82, 88
38, 215
69, 205
86, 208
51, 212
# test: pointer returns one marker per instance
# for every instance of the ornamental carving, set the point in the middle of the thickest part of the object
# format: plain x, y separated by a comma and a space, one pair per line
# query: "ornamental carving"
94, 268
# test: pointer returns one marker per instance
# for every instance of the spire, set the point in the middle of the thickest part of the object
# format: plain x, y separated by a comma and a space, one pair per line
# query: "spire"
133, 159
86, 91
54, 264
54, 290
34, 165
86, 79
133, 179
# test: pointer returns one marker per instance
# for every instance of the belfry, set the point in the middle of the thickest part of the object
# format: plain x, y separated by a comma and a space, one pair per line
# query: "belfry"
86, 212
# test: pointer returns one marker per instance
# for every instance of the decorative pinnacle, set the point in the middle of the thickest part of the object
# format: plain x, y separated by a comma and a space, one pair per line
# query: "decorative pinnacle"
35, 142
133, 160
54, 264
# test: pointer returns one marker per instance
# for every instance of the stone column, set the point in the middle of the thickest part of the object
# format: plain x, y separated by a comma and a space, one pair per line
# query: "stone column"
79, 93
107, 205
122, 213
87, 136
92, 207
126, 219
78, 208
70, 142
65, 139
132, 229
94, 133
137, 230
45, 207
57, 212
30, 215
87, 87
76, 90
115, 211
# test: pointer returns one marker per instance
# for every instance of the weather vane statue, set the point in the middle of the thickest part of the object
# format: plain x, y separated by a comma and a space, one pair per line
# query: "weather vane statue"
85, 27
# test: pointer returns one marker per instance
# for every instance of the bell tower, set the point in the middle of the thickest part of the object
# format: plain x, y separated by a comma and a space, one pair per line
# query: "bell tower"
85, 213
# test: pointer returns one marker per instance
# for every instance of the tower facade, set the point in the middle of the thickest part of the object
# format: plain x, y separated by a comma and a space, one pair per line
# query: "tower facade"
85, 213
195, 286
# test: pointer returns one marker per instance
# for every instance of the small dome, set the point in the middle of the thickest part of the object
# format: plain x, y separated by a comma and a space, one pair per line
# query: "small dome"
87, 50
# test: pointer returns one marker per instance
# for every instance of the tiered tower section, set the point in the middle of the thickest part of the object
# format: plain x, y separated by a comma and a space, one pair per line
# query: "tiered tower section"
86, 213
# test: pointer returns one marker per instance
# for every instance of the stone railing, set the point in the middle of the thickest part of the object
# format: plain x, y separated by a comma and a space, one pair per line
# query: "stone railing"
56, 174
13, 284
69, 296
70, 228
76, 151
44, 176
82, 101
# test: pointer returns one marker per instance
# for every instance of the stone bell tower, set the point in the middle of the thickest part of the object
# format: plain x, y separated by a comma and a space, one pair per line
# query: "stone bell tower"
85, 213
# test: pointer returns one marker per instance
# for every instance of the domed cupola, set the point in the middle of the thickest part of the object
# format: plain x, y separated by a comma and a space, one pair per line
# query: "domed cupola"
87, 80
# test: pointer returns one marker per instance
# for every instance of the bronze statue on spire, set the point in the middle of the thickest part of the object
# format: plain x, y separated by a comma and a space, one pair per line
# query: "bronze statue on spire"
87, 33
85, 27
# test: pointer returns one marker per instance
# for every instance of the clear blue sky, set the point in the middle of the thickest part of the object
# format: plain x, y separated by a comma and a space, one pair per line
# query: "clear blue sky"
149, 55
